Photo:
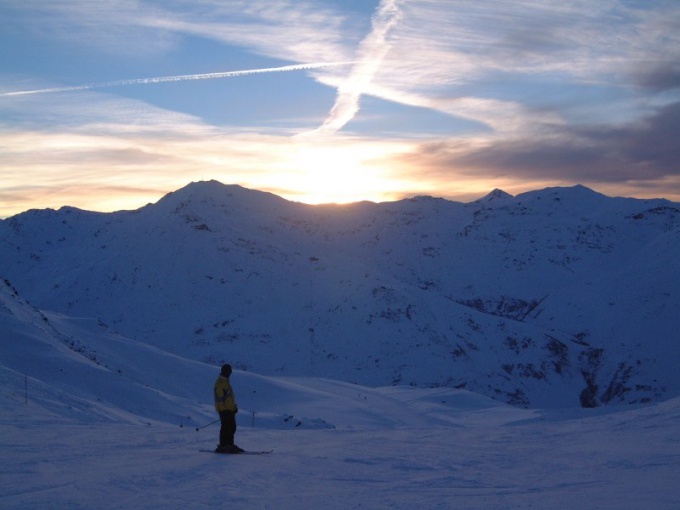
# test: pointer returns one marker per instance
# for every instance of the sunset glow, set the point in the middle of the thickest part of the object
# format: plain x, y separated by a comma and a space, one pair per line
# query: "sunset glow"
110, 105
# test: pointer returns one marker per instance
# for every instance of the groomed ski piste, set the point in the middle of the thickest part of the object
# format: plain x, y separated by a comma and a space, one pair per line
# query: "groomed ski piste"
391, 448
90, 419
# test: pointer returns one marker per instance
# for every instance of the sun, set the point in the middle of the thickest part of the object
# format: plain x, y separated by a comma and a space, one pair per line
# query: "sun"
340, 174
338, 169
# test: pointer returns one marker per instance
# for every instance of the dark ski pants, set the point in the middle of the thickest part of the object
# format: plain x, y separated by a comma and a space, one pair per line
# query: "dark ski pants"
228, 428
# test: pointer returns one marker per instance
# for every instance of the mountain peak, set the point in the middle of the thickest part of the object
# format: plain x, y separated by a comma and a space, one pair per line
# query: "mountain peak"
210, 193
579, 191
496, 194
205, 189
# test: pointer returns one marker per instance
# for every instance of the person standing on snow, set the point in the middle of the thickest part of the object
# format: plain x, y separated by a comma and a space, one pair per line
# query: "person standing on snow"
225, 405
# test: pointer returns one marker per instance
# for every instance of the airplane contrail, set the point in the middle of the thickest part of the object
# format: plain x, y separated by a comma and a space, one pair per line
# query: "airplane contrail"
184, 77
371, 52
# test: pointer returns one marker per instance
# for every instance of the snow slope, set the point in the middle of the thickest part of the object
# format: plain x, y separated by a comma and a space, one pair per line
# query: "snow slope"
625, 460
554, 298
90, 419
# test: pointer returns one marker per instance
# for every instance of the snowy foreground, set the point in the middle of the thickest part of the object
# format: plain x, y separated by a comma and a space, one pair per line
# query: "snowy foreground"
93, 420
390, 448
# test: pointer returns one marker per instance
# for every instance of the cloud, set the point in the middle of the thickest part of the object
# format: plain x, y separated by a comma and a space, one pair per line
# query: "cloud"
656, 64
661, 76
115, 27
91, 112
421, 52
293, 31
119, 149
646, 150
443, 50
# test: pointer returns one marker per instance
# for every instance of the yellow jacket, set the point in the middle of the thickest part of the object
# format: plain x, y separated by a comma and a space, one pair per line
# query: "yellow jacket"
224, 395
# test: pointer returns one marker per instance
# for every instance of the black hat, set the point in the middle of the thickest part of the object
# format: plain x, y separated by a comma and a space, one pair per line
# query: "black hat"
226, 370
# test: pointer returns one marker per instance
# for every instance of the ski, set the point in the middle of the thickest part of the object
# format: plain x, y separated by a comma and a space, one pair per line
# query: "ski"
261, 452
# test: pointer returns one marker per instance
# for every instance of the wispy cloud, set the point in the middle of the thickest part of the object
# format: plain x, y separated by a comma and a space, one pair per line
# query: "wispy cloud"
115, 166
114, 153
496, 49
289, 30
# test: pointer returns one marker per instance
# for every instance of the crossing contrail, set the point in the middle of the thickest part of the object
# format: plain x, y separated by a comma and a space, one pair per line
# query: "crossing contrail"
371, 52
183, 77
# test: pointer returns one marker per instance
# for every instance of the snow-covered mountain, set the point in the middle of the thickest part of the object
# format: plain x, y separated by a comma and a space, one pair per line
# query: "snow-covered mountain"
554, 298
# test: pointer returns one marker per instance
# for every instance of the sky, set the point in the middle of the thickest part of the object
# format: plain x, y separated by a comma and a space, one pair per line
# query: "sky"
110, 105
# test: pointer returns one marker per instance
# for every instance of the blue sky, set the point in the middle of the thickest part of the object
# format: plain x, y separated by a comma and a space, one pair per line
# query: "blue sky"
110, 105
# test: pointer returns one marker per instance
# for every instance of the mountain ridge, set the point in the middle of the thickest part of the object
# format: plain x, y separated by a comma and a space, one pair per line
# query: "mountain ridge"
557, 297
